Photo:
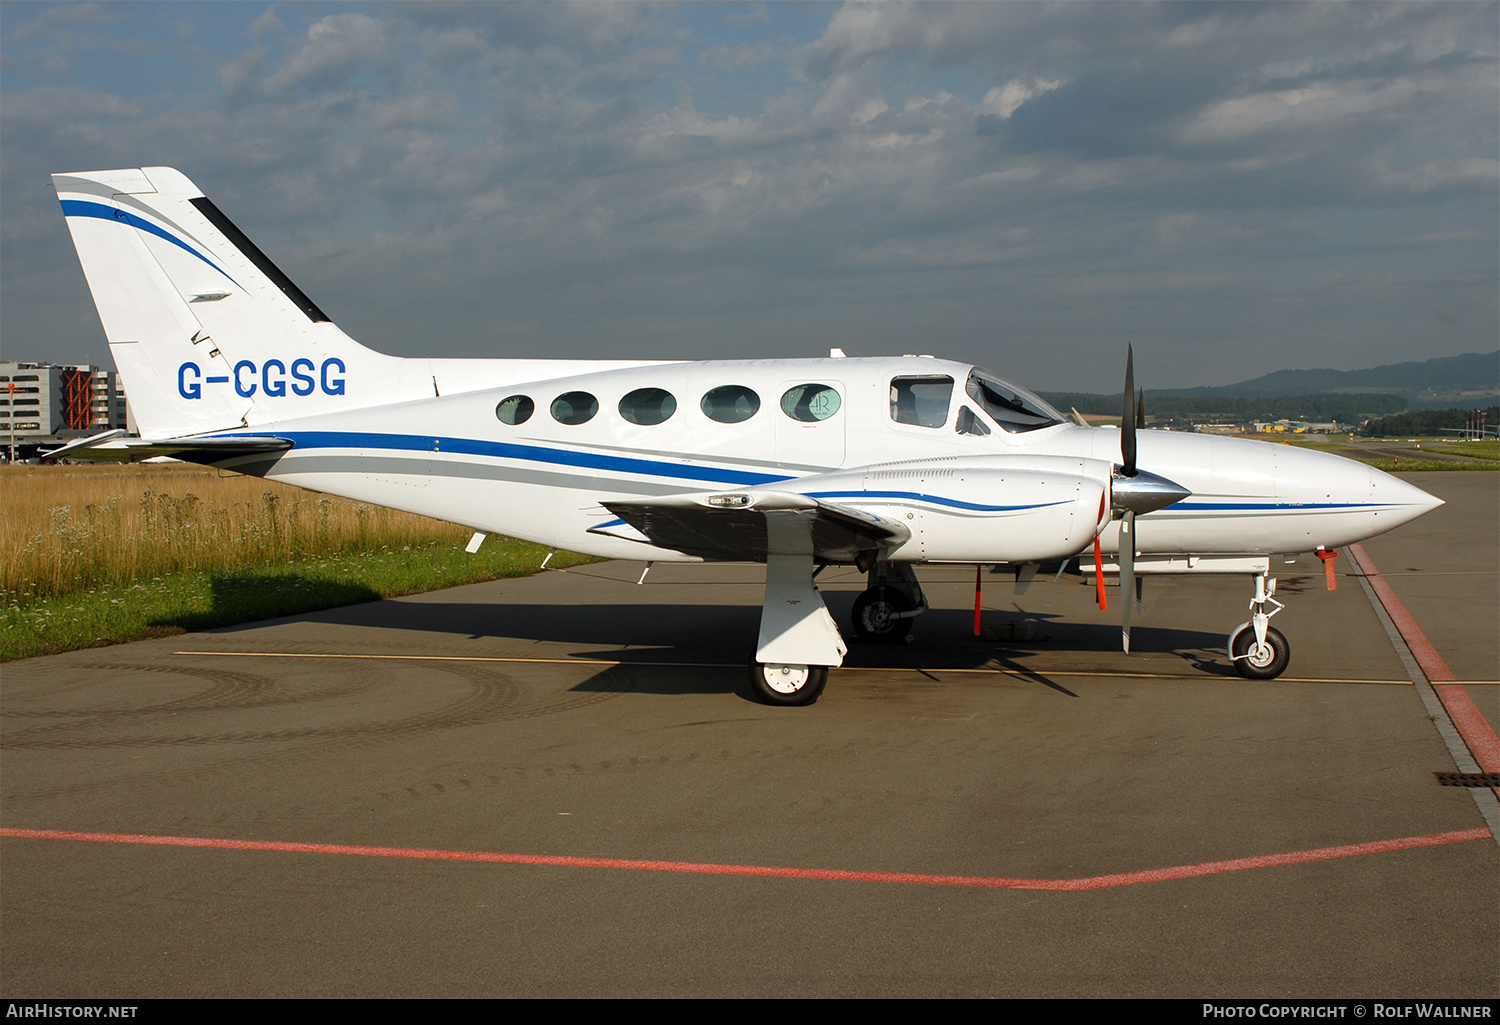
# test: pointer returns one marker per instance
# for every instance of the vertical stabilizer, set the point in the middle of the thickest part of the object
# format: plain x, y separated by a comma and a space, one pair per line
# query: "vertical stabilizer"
207, 332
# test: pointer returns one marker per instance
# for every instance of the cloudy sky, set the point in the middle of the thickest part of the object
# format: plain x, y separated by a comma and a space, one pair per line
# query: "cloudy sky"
1232, 188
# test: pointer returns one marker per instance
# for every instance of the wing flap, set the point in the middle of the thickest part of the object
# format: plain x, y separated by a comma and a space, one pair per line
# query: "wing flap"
715, 525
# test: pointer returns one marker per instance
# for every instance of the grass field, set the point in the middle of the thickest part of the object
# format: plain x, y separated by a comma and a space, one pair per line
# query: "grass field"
101, 554
1474, 455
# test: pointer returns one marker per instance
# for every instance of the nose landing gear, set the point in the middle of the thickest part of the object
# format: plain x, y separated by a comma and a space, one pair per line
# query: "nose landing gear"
1258, 650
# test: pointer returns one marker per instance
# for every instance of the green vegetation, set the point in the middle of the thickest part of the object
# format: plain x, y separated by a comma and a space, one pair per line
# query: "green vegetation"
102, 554
1472, 449
1318, 408
202, 600
1424, 421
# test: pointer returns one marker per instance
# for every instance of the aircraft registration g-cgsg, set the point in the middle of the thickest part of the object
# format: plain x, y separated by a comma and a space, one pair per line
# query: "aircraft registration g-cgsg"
881, 463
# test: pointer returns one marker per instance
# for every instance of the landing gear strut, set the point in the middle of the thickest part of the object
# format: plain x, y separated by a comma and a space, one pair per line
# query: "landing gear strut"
1257, 649
884, 610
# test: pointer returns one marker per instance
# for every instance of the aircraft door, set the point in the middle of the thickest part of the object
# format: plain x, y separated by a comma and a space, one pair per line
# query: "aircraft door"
810, 424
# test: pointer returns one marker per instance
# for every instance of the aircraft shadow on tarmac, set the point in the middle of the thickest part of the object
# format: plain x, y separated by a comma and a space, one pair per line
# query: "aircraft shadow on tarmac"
704, 638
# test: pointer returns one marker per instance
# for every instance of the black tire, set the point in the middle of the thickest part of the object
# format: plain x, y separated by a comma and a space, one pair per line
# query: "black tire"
1266, 664
787, 685
872, 615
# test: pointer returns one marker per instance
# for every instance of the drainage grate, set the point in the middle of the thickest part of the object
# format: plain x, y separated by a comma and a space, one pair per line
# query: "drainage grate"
1468, 779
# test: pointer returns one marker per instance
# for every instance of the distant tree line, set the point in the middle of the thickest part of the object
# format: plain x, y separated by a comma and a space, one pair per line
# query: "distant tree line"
1323, 408
1425, 421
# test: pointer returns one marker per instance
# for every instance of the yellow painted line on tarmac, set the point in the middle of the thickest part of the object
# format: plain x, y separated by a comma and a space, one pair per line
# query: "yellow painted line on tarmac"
459, 658
980, 670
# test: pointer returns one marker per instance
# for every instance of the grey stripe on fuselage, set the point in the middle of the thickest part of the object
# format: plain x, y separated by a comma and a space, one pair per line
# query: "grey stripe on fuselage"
377, 466
686, 457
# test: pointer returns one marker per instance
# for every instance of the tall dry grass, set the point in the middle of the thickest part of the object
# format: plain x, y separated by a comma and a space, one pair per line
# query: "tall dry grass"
69, 528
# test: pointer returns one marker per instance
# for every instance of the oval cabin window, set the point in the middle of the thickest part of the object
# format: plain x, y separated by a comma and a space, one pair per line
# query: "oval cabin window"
730, 404
574, 407
515, 410
810, 402
648, 406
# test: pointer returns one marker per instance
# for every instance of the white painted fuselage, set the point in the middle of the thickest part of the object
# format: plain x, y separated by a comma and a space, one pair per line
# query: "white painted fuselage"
452, 458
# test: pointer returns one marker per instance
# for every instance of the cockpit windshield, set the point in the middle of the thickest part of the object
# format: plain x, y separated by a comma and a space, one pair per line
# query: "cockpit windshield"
1015, 409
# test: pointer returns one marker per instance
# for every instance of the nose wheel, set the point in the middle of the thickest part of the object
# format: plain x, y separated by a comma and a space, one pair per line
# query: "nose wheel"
1257, 650
1264, 660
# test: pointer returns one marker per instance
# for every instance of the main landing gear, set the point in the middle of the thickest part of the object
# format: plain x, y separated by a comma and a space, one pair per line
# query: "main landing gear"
1258, 650
787, 684
883, 612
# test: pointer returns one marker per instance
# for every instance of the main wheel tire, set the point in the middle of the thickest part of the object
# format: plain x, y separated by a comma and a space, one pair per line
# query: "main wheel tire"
872, 614
1266, 663
787, 684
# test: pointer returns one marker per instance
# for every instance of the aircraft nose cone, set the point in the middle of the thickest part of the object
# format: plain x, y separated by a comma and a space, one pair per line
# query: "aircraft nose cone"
1398, 501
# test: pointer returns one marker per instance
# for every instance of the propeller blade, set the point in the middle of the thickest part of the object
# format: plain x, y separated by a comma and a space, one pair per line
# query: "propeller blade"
1127, 575
1127, 421
1140, 409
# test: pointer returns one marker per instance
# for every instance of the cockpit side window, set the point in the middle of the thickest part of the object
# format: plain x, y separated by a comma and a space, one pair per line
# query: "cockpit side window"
970, 422
921, 401
1014, 409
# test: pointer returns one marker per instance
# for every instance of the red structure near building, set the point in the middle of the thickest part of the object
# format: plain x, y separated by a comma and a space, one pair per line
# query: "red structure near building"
77, 396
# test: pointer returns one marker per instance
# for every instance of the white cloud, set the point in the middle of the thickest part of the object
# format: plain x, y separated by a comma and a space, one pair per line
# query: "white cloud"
335, 48
1002, 101
1310, 106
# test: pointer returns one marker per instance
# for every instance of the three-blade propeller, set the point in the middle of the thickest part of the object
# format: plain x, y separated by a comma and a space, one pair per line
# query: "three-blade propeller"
1134, 491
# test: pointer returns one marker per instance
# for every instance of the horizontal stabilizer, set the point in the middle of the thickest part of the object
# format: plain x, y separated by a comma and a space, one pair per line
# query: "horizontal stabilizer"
110, 447
717, 525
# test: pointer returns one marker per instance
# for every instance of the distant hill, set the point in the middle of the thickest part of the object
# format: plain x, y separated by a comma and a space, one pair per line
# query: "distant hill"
1448, 382
1469, 379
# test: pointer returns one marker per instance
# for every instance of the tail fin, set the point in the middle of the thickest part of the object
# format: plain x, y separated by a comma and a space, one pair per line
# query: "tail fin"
206, 331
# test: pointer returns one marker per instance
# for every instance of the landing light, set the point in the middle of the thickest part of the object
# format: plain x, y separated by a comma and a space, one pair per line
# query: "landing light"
729, 501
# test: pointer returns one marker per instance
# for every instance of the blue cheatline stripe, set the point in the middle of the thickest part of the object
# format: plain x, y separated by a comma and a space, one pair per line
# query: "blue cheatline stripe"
933, 499
505, 450
1218, 506
85, 208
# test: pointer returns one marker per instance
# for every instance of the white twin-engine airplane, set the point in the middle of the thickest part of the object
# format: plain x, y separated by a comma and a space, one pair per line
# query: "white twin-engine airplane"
882, 463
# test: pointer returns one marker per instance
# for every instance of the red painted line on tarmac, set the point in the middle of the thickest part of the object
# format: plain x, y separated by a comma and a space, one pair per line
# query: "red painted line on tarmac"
1086, 883
1471, 724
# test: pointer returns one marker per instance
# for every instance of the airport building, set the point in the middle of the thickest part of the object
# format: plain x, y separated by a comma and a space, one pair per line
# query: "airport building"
45, 404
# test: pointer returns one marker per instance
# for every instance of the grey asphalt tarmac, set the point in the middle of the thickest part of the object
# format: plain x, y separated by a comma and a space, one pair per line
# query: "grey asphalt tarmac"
1058, 758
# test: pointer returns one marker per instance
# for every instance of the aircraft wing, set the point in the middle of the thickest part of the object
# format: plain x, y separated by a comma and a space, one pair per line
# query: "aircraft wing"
715, 525
110, 447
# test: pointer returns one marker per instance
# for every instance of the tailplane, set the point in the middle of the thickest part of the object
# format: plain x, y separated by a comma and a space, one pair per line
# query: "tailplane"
206, 331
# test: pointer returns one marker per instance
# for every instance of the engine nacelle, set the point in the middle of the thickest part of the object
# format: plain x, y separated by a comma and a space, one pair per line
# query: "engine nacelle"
978, 509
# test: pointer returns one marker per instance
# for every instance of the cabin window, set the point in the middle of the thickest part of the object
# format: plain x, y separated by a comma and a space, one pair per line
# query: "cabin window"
810, 402
515, 410
574, 407
969, 422
1014, 409
730, 404
648, 406
921, 401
